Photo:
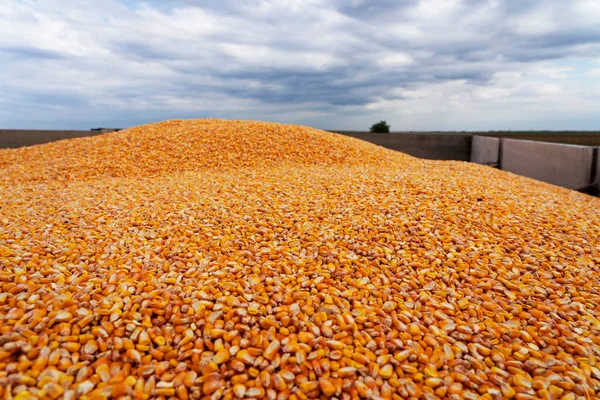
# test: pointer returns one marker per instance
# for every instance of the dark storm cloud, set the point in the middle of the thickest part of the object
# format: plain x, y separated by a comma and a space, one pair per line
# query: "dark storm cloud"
142, 51
29, 53
289, 87
565, 39
373, 9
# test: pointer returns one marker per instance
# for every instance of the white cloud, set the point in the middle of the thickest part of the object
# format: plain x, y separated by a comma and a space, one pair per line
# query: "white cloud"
537, 22
394, 59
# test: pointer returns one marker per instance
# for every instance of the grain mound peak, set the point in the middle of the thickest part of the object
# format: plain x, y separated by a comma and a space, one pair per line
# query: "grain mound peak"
189, 145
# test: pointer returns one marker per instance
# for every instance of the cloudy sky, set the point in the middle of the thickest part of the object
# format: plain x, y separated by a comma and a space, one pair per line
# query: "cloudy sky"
419, 64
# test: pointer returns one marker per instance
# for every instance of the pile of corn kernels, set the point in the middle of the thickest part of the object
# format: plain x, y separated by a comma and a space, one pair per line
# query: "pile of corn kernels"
235, 259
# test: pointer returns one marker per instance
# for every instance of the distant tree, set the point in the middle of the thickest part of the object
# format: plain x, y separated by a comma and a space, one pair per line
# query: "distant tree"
380, 127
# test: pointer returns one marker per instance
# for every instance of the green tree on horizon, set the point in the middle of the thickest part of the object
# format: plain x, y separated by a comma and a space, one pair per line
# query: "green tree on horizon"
380, 127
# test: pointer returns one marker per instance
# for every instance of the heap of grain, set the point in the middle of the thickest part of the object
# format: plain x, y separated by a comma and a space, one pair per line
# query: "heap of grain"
224, 259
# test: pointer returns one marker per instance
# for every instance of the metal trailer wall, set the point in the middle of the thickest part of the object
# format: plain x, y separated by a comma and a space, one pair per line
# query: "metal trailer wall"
570, 166
583, 138
564, 165
486, 150
579, 138
429, 146
597, 177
